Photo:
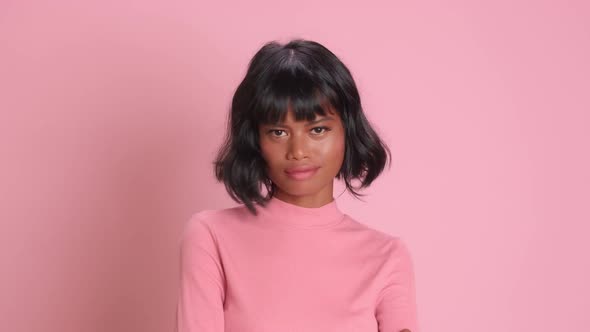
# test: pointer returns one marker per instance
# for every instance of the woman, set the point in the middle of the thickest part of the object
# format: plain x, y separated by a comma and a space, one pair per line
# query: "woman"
288, 259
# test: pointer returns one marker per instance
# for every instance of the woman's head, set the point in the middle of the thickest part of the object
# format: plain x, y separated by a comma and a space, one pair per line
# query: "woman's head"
270, 129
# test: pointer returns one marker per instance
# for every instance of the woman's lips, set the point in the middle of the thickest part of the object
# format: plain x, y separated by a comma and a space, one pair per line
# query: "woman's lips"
301, 174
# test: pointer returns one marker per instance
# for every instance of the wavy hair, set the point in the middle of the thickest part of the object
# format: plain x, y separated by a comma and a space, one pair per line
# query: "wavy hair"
307, 76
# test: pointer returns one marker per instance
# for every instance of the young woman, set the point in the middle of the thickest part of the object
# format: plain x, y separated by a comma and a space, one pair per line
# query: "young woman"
288, 259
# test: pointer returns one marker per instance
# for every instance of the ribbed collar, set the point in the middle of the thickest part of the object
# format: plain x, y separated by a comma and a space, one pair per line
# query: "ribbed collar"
278, 213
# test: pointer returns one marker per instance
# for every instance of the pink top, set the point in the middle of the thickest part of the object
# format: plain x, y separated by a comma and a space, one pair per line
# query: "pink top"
292, 269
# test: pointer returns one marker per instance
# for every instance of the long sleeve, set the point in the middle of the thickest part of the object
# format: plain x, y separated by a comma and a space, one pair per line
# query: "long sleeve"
201, 291
396, 306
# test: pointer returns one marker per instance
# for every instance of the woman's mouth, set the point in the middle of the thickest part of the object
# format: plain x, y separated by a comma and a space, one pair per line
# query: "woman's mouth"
301, 174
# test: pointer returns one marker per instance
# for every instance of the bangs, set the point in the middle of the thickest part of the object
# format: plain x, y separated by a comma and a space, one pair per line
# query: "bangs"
293, 88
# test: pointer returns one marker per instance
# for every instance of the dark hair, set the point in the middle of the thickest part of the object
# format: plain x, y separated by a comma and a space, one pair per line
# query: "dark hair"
307, 76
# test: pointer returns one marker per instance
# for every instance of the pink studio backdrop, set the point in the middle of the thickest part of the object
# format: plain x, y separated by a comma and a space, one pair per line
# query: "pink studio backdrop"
111, 113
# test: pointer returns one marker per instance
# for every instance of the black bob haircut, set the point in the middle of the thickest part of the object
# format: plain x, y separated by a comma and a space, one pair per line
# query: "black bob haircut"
308, 77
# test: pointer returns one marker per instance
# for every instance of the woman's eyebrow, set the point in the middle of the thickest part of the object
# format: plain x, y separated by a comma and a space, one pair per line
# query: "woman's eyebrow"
327, 118
309, 123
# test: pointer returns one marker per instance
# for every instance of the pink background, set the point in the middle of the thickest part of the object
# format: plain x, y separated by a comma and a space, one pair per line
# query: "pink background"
111, 113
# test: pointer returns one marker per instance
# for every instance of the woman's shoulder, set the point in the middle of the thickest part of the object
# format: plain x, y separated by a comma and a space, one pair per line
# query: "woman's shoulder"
372, 230
207, 223
385, 240
212, 218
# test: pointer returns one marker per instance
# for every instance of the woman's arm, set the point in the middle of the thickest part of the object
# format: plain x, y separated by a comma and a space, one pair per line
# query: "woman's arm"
396, 305
202, 291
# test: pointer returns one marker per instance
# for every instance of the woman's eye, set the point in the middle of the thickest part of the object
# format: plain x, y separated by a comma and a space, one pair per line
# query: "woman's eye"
323, 129
274, 131
316, 130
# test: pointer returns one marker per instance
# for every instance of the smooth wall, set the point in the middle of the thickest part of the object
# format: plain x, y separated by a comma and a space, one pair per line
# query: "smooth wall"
111, 112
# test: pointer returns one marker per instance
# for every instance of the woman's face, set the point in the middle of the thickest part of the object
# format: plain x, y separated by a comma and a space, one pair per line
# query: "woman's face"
291, 146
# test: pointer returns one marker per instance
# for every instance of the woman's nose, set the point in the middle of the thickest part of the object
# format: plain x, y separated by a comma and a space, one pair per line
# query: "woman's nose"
297, 147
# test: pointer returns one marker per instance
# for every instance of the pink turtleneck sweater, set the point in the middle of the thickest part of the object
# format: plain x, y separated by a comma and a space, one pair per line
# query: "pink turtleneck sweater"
292, 269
